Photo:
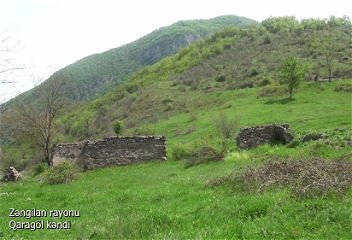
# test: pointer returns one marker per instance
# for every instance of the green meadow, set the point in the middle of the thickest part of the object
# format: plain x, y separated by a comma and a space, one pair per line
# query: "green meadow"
165, 200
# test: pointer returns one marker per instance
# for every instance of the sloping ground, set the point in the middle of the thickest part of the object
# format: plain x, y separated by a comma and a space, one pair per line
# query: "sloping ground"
164, 200
230, 59
98, 74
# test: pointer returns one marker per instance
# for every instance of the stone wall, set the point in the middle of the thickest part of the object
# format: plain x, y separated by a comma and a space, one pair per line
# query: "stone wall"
252, 137
111, 151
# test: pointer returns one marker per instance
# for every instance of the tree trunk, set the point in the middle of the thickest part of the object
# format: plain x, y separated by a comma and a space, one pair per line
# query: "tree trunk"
291, 92
47, 154
328, 62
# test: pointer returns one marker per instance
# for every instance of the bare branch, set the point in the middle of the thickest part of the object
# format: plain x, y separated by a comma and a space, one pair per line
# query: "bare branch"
9, 48
36, 121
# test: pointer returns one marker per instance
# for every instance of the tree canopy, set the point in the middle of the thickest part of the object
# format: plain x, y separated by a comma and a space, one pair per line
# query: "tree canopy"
292, 72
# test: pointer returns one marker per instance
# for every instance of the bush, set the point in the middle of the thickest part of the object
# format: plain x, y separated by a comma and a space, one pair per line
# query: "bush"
40, 168
130, 123
243, 85
307, 178
180, 151
168, 107
196, 153
220, 78
267, 38
344, 87
226, 127
204, 154
265, 81
118, 127
143, 130
271, 90
62, 173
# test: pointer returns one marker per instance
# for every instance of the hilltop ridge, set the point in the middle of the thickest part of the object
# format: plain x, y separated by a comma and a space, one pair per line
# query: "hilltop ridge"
99, 73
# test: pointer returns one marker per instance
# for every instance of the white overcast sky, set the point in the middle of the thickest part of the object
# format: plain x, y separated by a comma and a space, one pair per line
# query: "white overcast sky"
58, 33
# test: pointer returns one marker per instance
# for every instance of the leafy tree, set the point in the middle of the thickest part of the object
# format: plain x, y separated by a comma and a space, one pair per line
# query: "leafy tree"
267, 38
118, 127
88, 118
328, 47
292, 72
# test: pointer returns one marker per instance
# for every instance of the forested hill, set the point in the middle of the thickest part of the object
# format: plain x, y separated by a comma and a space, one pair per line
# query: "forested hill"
99, 73
232, 58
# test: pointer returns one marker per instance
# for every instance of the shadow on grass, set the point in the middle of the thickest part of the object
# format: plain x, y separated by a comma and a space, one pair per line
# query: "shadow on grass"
283, 101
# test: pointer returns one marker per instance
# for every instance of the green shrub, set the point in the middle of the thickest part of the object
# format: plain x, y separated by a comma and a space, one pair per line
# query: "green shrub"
266, 81
40, 168
168, 107
118, 127
243, 85
225, 127
267, 38
253, 72
180, 151
220, 78
344, 87
271, 90
203, 154
143, 130
62, 173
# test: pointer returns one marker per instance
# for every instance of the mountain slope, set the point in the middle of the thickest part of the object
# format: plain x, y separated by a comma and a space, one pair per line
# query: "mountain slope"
229, 59
96, 74
181, 95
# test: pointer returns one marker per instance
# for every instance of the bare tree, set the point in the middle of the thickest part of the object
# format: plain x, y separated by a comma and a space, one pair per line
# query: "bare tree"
10, 66
9, 48
36, 120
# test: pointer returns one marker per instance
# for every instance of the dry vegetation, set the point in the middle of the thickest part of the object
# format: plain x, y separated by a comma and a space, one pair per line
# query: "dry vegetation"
308, 178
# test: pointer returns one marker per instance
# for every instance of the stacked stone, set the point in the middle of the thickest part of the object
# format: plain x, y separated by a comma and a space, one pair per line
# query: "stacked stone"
252, 137
113, 151
11, 175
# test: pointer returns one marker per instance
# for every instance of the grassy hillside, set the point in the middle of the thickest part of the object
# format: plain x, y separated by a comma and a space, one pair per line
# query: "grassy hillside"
166, 201
294, 191
234, 71
198, 76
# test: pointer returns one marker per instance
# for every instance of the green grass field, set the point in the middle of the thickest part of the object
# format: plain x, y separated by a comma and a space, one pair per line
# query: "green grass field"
167, 201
